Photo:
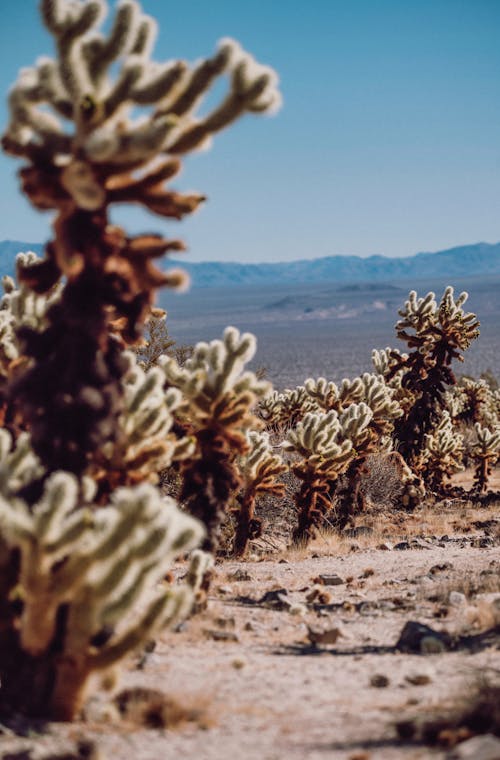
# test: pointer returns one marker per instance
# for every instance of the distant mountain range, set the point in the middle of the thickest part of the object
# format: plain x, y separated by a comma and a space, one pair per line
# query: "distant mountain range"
463, 261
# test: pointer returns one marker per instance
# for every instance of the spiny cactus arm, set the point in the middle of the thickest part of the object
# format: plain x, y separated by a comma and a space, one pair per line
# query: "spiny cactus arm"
355, 421
18, 464
488, 441
325, 394
78, 87
21, 307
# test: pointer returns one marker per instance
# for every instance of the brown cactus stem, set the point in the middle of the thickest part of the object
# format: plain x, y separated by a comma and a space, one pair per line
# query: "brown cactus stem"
351, 500
209, 483
38, 687
481, 476
314, 501
244, 519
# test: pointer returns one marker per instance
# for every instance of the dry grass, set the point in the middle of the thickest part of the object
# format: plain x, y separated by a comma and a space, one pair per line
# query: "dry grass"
474, 713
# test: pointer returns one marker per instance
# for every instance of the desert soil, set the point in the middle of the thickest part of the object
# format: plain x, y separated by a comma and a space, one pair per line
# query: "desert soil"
258, 687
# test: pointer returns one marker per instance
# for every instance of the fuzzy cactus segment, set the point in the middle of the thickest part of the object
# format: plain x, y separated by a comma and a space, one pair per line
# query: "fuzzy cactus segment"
87, 583
218, 398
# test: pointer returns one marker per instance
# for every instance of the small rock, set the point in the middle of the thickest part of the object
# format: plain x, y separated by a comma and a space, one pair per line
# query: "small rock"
217, 635
485, 747
222, 622
406, 729
239, 663
386, 546
402, 546
283, 561
326, 636
418, 679
297, 609
275, 599
457, 599
225, 590
330, 580
241, 575
379, 681
440, 568
421, 639
249, 626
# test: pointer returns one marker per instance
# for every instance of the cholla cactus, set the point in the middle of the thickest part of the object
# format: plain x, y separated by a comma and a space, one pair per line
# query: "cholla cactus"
85, 582
144, 444
436, 334
21, 307
324, 455
259, 469
480, 404
388, 363
108, 157
280, 411
485, 452
368, 389
217, 408
442, 453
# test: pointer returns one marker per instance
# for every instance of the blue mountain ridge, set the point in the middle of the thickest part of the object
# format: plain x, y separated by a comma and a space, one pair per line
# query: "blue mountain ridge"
461, 261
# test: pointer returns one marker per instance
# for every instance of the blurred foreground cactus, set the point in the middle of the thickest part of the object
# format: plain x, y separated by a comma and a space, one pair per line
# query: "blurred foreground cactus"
81, 586
83, 593
109, 157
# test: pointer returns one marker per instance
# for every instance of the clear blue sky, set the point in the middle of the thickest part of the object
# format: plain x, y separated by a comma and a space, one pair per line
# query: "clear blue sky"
388, 141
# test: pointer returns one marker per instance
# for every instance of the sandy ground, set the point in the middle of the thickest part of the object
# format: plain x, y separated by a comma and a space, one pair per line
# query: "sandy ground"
261, 690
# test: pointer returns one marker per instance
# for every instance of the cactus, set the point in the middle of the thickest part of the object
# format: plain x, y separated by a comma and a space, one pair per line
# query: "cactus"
218, 399
442, 454
325, 453
144, 443
72, 575
486, 452
280, 411
81, 575
109, 157
259, 469
436, 334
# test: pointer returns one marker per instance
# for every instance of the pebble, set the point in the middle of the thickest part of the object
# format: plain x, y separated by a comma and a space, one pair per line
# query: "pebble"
457, 599
216, 635
331, 580
241, 575
418, 678
485, 747
379, 681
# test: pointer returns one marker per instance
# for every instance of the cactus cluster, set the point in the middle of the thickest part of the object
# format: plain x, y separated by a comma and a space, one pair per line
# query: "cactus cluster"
110, 156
